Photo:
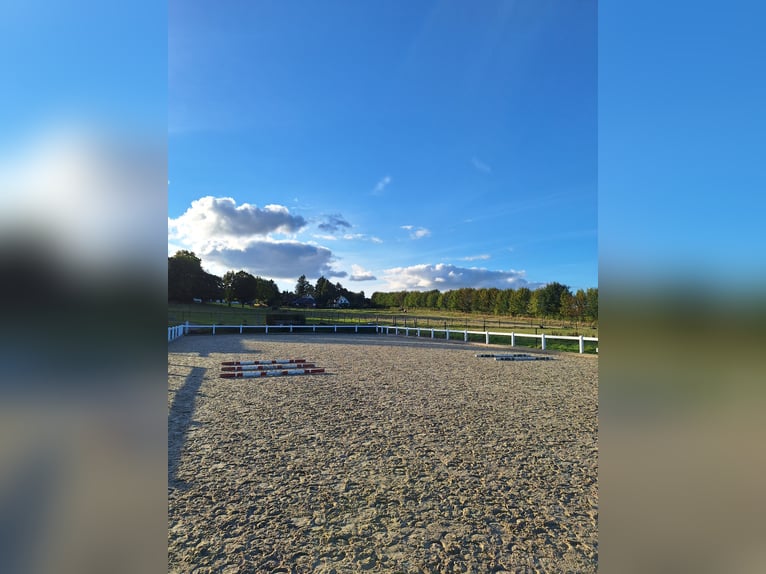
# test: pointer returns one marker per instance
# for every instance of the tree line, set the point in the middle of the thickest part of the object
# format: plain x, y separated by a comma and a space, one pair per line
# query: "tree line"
187, 281
553, 300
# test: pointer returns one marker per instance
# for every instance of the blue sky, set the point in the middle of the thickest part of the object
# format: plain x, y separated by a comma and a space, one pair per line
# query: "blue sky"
386, 145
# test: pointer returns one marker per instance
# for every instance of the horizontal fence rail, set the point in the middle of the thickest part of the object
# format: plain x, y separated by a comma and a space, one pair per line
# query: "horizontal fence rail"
431, 333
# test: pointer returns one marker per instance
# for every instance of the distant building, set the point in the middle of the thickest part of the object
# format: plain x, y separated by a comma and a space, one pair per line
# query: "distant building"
305, 301
341, 303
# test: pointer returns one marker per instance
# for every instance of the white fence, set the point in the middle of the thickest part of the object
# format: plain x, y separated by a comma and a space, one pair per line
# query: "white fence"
448, 334
177, 331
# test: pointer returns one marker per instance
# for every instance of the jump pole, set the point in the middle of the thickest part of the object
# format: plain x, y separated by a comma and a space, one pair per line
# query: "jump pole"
252, 374
275, 362
268, 367
495, 355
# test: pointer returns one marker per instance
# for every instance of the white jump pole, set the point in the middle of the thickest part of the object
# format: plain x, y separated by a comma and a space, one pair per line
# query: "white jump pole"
272, 362
253, 374
269, 367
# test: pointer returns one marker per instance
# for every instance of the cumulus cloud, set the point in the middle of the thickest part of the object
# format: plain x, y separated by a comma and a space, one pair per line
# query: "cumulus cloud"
417, 233
334, 223
227, 236
381, 185
275, 259
359, 273
219, 223
444, 277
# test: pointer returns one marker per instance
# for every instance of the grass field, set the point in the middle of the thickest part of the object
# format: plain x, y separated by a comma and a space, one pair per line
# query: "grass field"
222, 314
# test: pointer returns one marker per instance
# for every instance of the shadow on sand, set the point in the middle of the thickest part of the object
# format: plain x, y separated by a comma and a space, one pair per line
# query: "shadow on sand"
180, 419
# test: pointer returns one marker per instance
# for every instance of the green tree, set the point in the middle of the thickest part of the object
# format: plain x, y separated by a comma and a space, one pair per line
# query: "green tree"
414, 299
502, 304
432, 299
534, 307
187, 279
580, 305
228, 293
303, 287
591, 295
549, 299
519, 301
325, 292
266, 291
567, 305
244, 287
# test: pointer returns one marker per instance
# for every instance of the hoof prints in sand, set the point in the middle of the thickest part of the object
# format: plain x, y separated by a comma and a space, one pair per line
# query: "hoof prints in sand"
404, 458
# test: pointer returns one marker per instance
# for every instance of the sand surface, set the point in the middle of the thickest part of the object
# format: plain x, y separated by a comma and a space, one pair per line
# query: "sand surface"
405, 456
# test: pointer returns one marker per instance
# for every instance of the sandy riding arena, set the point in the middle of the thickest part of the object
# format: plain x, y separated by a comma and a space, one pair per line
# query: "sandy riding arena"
405, 456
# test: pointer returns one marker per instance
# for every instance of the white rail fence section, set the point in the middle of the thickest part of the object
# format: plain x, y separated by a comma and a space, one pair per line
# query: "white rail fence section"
448, 334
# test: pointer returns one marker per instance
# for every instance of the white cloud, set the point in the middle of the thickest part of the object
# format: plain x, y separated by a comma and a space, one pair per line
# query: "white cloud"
359, 273
230, 237
482, 257
446, 276
418, 233
480, 165
219, 223
361, 237
274, 259
381, 185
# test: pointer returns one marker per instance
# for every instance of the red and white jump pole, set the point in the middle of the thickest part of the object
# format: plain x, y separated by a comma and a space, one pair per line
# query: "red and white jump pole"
274, 362
274, 373
268, 367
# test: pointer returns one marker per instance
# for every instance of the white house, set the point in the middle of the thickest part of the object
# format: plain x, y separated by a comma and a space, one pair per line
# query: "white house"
341, 302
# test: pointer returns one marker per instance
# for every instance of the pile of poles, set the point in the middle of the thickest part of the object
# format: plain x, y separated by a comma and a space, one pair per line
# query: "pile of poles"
514, 357
274, 368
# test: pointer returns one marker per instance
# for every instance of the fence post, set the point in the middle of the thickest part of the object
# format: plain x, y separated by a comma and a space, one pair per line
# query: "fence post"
213, 328
267, 329
513, 339
447, 331
240, 329
291, 327
432, 332
356, 328
542, 339
486, 337
186, 328
465, 335
582, 345
336, 329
